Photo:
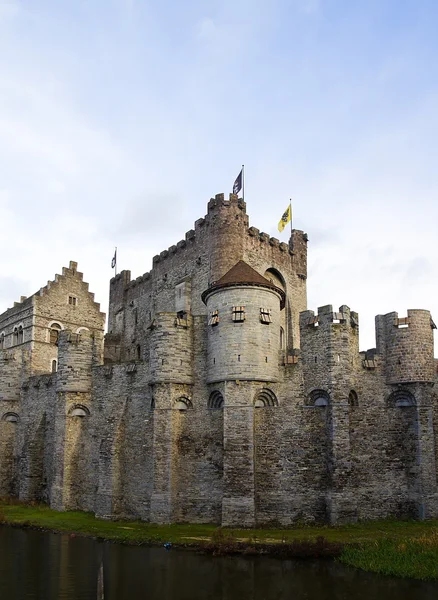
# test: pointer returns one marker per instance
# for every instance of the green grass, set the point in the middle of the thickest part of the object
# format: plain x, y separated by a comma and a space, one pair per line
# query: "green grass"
415, 558
398, 548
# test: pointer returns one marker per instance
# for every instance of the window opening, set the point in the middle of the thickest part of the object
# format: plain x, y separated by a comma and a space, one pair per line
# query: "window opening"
55, 328
54, 366
265, 315
72, 300
2, 341
20, 336
238, 314
214, 318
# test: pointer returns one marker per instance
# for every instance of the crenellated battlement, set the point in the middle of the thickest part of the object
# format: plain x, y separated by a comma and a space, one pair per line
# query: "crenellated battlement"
219, 201
326, 316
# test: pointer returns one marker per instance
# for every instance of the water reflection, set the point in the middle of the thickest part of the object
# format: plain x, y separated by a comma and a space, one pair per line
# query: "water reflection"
46, 566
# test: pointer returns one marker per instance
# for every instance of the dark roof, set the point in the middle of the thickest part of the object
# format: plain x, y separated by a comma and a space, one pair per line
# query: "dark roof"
243, 274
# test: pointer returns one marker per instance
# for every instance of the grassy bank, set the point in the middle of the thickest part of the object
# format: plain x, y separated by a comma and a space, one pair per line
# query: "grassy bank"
399, 548
416, 558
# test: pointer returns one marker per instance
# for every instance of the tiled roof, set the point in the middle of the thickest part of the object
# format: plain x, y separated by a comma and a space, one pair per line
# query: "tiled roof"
243, 274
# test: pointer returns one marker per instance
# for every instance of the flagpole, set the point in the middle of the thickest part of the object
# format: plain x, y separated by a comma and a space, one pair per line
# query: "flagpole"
243, 182
115, 265
290, 208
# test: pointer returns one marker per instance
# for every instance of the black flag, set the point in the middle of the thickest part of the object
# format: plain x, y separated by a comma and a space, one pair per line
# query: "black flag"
114, 259
237, 186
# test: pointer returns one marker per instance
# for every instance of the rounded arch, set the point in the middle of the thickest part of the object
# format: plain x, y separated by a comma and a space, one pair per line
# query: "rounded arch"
353, 399
319, 398
265, 397
216, 400
400, 399
2, 340
54, 328
182, 403
275, 277
81, 329
11, 417
79, 410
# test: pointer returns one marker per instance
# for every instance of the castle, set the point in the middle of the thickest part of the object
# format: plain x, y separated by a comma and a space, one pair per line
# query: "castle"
216, 396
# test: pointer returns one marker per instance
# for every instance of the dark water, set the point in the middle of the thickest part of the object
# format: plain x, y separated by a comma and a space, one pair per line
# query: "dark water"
58, 567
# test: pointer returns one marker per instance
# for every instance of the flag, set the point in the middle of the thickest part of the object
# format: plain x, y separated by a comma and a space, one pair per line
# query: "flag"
114, 259
287, 216
237, 186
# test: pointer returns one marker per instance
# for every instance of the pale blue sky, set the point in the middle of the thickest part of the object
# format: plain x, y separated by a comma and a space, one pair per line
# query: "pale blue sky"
119, 119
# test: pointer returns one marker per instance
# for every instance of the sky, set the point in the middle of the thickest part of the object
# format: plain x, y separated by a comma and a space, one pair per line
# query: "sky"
119, 119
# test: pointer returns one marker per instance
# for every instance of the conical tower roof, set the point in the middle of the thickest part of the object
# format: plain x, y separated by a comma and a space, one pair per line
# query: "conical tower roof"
243, 274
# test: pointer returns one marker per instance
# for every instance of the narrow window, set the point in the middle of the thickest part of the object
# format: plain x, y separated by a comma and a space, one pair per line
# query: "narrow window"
138, 352
281, 338
238, 314
213, 318
2, 341
54, 366
20, 336
265, 315
72, 300
15, 336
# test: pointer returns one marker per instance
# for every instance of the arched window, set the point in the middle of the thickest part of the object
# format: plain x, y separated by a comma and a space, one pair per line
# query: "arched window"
400, 399
55, 328
265, 397
281, 338
54, 365
353, 399
79, 411
20, 335
216, 400
82, 329
2, 341
11, 417
319, 398
276, 278
182, 403
15, 336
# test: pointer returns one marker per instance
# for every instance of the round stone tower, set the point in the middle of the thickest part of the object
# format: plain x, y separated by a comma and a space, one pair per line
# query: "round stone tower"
243, 326
406, 345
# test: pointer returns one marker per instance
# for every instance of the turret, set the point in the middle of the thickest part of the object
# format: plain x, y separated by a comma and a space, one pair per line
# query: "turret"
116, 302
406, 346
171, 348
228, 225
329, 346
243, 326
77, 354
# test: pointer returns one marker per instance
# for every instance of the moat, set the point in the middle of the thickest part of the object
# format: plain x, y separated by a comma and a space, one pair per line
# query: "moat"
51, 566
